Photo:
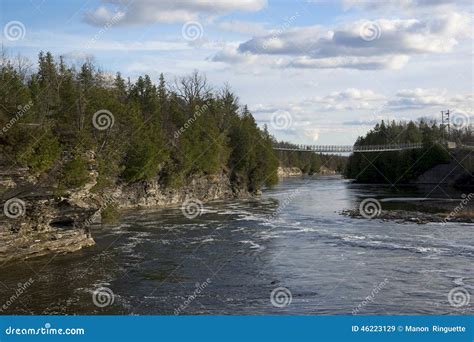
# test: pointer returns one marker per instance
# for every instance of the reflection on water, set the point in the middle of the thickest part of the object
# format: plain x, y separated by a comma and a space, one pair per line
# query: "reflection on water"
229, 259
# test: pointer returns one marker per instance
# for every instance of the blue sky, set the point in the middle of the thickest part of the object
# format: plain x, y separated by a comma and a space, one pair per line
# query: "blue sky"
315, 71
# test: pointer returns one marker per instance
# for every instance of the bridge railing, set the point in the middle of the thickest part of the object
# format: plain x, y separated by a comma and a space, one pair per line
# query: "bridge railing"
348, 148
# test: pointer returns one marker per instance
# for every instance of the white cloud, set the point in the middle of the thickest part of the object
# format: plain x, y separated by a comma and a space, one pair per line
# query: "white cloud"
143, 12
351, 62
418, 98
244, 27
401, 4
232, 56
364, 45
351, 112
351, 99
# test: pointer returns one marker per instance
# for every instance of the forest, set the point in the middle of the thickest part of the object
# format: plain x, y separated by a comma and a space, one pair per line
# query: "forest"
398, 167
136, 130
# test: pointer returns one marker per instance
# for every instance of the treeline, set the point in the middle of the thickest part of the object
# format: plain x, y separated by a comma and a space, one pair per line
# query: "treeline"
309, 163
403, 166
137, 130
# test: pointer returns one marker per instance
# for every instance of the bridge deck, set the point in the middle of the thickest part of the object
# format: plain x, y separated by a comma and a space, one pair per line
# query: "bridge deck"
349, 148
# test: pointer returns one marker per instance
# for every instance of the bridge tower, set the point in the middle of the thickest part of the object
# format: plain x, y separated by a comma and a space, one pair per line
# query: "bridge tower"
445, 122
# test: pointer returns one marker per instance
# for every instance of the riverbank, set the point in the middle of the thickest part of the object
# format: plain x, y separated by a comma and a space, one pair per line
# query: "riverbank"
418, 217
284, 172
38, 222
420, 211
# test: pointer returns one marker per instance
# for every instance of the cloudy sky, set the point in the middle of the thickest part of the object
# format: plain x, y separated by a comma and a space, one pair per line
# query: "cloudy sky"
319, 72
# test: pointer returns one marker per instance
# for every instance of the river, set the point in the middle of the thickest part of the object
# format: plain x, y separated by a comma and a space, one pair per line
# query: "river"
291, 241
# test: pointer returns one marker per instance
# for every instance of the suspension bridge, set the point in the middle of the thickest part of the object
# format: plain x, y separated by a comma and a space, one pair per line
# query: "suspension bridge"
347, 148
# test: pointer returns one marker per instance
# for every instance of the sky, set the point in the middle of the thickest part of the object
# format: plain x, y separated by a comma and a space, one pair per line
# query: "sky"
316, 72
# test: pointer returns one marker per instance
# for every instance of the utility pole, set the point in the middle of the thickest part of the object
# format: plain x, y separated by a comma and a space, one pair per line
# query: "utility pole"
445, 122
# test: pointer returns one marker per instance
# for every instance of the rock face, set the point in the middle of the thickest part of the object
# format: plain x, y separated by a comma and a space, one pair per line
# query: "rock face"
35, 222
323, 170
153, 194
403, 216
289, 172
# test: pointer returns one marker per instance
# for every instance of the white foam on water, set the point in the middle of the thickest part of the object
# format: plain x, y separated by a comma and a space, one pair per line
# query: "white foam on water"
253, 245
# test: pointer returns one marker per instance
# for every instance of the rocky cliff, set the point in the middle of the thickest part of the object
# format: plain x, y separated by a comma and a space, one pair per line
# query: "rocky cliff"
36, 221
289, 172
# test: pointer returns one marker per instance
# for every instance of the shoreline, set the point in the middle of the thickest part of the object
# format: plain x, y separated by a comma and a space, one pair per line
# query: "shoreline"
403, 216
46, 224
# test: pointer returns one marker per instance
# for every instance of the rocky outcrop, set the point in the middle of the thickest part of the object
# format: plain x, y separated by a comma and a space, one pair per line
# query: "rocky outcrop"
405, 216
27, 245
323, 170
35, 222
152, 194
289, 172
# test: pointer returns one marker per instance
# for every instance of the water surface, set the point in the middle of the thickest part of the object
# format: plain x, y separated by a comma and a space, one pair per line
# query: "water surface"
238, 252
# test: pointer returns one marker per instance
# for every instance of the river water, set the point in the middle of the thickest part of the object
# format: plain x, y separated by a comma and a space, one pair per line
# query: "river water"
292, 242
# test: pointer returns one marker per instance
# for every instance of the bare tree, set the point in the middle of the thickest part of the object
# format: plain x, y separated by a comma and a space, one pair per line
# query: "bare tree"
193, 88
23, 66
